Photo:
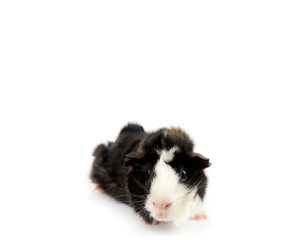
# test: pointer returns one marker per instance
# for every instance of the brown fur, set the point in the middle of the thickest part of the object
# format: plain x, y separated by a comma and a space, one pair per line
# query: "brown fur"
176, 131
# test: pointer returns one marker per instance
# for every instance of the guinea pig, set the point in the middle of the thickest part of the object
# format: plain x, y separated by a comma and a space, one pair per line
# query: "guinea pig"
156, 173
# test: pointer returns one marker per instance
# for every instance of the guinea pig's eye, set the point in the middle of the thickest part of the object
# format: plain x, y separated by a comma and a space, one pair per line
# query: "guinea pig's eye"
147, 173
183, 175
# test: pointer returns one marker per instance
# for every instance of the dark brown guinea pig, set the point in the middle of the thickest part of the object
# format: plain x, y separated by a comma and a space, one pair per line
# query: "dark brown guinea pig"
157, 173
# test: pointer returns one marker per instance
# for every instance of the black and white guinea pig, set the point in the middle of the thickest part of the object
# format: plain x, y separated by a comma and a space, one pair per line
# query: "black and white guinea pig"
156, 173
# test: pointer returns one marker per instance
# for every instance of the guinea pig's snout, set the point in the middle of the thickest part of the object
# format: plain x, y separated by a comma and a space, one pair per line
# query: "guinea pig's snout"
161, 205
161, 208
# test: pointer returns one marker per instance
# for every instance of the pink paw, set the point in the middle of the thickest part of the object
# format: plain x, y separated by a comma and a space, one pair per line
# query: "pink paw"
98, 189
200, 217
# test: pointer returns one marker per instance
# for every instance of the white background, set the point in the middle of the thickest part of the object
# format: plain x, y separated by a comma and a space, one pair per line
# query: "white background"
74, 72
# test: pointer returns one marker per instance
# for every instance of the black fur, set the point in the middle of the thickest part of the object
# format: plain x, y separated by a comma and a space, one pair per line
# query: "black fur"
108, 170
124, 168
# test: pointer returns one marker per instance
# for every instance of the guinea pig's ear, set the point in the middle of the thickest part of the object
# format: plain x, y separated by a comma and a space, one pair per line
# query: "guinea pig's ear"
132, 158
200, 160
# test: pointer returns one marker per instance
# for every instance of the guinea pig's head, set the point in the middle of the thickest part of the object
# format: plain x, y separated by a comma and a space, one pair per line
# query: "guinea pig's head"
166, 180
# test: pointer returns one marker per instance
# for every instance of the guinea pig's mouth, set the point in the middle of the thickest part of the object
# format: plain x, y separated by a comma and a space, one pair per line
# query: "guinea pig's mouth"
161, 215
160, 210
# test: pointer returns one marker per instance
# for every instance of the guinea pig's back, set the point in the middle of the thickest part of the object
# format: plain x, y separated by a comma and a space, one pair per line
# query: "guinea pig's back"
108, 170
127, 141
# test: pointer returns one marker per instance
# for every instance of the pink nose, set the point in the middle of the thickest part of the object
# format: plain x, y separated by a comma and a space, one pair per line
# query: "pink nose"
162, 205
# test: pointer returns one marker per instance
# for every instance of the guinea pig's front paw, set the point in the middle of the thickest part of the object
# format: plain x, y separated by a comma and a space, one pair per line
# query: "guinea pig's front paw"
200, 217
98, 189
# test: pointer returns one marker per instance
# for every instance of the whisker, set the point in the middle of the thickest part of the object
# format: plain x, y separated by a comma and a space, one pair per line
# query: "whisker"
146, 191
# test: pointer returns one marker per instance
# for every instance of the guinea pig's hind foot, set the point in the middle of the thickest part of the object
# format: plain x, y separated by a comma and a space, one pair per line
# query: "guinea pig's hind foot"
200, 217
98, 189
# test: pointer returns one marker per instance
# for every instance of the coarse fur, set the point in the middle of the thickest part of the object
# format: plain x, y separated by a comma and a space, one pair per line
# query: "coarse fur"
156, 173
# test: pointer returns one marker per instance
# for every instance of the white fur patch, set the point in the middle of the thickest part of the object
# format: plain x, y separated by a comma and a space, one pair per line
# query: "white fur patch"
166, 187
168, 155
